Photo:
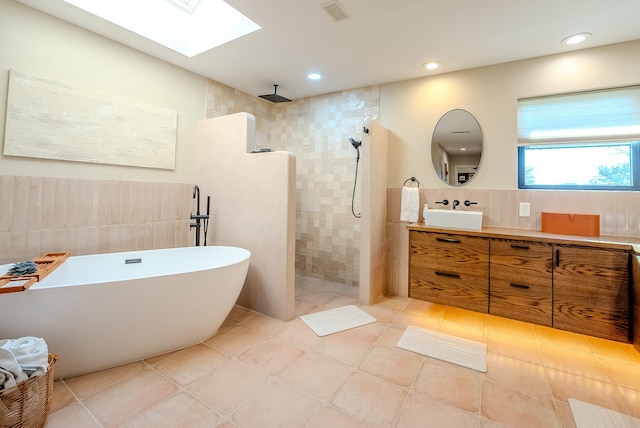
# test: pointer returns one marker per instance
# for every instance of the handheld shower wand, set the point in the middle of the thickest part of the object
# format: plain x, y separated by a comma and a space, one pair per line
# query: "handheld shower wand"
356, 145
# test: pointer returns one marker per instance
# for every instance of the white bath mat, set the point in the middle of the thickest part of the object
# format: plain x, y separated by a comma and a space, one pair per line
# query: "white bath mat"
462, 352
335, 320
588, 415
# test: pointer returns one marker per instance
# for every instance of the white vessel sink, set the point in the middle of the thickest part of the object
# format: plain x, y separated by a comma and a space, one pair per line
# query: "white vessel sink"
456, 219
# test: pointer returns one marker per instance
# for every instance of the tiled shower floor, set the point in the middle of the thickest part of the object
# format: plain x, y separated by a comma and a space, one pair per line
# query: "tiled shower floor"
262, 372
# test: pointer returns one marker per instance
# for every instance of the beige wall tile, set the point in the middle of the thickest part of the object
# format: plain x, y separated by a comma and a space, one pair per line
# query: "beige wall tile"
89, 216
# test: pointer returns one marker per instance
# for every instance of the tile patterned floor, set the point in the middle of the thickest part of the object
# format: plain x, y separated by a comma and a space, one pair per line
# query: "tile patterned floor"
262, 372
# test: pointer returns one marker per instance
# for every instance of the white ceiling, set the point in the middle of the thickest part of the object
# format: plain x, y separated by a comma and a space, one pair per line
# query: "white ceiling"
381, 41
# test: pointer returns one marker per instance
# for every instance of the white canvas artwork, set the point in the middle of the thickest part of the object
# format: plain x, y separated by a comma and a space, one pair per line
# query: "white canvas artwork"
54, 120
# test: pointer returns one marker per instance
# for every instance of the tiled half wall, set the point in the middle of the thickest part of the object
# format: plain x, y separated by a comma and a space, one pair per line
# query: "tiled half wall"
619, 216
40, 215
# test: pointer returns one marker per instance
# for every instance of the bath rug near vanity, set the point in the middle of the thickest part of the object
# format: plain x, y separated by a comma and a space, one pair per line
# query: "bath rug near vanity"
336, 320
463, 352
588, 415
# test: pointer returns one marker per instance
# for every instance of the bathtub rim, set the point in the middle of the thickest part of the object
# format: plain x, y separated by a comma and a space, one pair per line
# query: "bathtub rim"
48, 282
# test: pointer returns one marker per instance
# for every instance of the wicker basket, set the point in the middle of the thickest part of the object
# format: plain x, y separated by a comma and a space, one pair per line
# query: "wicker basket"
27, 404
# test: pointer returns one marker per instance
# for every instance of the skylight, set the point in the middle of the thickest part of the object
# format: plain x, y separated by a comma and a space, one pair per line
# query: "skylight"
189, 27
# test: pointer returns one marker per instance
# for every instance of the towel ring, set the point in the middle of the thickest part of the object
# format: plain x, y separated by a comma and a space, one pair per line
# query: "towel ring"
411, 179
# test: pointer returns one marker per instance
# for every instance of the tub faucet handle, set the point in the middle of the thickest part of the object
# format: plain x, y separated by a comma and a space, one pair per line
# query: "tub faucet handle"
444, 202
467, 203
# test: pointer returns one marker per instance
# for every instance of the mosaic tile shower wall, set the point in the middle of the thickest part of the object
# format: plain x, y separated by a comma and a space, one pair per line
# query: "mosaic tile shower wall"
316, 130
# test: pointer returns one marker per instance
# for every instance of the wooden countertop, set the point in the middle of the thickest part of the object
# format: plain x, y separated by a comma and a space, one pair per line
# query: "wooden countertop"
625, 243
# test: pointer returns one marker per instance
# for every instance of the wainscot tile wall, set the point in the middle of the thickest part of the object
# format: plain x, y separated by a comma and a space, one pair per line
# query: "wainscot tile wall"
619, 216
40, 215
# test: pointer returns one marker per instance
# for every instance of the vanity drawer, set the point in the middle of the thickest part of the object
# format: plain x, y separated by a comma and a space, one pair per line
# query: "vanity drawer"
458, 253
523, 299
521, 260
445, 286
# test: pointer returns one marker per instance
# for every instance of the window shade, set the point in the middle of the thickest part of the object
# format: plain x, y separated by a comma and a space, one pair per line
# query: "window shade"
604, 115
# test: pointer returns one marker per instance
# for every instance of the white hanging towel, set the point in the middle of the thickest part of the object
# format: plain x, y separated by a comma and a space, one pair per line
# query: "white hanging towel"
410, 204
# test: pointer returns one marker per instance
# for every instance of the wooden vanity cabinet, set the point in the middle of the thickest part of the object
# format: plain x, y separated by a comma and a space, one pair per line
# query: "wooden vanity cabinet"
591, 291
571, 285
521, 280
449, 269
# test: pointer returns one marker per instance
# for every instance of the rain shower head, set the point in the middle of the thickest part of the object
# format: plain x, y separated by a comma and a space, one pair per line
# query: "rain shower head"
354, 143
275, 98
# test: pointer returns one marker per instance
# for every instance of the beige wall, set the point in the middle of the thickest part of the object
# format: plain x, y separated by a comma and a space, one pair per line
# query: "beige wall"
44, 46
411, 109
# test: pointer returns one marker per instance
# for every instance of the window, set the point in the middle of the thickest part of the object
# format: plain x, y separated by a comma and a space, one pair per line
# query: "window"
588, 140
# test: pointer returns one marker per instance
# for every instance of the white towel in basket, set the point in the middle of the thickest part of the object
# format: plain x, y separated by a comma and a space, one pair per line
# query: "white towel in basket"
30, 353
11, 373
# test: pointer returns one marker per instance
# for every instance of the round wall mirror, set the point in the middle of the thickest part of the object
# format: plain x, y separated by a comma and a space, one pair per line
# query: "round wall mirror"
456, 147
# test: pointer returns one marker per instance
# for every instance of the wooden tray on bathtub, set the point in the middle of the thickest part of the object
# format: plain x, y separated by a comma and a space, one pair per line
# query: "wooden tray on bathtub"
45, 264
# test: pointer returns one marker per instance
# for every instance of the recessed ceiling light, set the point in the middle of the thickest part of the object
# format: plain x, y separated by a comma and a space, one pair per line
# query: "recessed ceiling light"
431, 65
576, 38
191, 28
462, 149
314, 76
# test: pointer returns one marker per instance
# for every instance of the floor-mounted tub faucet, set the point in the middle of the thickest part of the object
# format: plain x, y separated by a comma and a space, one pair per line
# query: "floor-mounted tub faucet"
200, 220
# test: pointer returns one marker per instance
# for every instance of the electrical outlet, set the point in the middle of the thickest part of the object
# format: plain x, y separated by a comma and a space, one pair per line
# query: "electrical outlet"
525, 209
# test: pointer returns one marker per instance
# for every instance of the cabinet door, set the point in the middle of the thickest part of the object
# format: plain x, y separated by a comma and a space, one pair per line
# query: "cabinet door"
449, 269
521, 282
591, 292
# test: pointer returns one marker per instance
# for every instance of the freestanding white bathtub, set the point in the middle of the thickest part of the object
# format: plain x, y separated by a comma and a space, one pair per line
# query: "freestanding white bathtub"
104, 310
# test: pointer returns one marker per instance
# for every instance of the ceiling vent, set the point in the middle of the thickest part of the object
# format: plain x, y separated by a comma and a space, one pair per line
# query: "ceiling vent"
335, 10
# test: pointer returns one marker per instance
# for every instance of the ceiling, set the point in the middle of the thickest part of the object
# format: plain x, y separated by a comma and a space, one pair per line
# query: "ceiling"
380, 41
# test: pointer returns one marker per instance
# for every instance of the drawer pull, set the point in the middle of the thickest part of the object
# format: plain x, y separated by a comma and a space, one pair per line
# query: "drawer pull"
520, 247
452, 240
519, 286
450, 275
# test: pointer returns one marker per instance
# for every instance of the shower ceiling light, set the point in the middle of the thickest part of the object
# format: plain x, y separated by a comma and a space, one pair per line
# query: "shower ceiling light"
190, 29
576, 38
431, 65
